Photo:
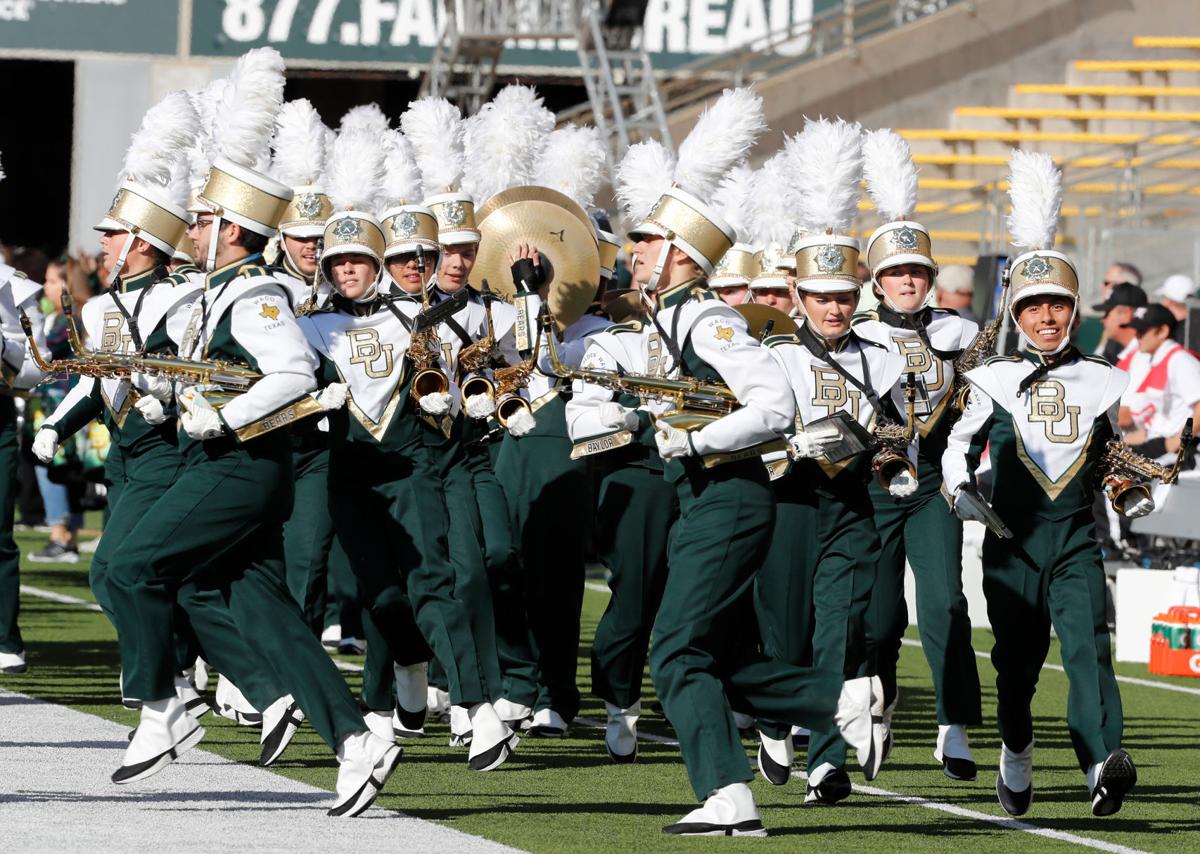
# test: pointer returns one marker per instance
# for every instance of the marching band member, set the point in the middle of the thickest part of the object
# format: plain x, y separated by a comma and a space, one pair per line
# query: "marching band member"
812, 591
20, 373
388, 439
219, 524
1045, 415
701, 662
917, 527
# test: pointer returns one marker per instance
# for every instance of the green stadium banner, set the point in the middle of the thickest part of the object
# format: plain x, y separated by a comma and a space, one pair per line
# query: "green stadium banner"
105, 26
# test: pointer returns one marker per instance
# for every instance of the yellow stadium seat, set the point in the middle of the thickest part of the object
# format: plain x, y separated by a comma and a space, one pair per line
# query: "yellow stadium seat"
1038, 113
942, 159
974, 135
1137, 65
1167, 41
1075, 91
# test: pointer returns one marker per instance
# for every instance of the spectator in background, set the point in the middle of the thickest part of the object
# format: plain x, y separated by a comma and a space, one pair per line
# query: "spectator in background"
1164, 387
1121, 273
66, 275
955, 289
1119, 343
1174, 294
864, 274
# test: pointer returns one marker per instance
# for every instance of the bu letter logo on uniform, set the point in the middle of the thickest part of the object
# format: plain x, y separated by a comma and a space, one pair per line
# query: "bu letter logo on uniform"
1048, 407
366, 350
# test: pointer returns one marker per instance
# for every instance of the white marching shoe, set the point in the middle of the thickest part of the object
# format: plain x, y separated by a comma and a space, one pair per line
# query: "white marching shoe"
164, 733
729, 811
827, 785
1110, 781
954, 752
199, 675
381, 724
512, 713
548, 723
232, 705
881, 716
412, 694
437, 703
13, 662
620, 732
492, 742
1014, 782
855, 723
460, 726
280, 722
365, 762
197, 705
775, 757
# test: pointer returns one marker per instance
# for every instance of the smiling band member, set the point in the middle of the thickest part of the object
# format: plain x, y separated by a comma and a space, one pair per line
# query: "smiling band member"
917, 528
1045, 415
392, 409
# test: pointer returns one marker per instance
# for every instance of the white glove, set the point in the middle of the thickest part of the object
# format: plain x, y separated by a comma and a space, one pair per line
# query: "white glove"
521, 423
158, 387
805, 446
151, 409
672, 442
45, 445
615, 415
435, 403
480, 406
333, 396
902, 485
1137, 509
967, 506
200, 420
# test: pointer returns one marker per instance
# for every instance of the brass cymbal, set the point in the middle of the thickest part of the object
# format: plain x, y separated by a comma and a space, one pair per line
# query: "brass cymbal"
563, 235
758, 315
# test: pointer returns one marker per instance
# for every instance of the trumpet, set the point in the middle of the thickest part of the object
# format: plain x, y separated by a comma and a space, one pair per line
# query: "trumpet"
893, 439
424, 349
1124, 472
222, 380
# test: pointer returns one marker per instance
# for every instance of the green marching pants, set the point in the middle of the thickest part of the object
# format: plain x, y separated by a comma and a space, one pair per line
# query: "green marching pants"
10, 555
550, 503
1051, 574
216, 534
702, 661
342, 605
634, 514
811, 594
389, 508
308, 532
923, 529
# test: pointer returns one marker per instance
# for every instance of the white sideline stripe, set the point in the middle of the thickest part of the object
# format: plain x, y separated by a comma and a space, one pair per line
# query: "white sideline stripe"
59, 597
1129, 680
57, 797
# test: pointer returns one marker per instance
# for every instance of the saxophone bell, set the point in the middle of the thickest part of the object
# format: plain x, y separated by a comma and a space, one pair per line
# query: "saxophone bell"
478, 385
509, 405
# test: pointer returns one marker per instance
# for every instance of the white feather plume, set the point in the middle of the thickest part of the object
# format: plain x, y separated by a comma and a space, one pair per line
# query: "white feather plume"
891, 174
365, 117
434, 129
402, 183
180, 184
734, 201
2, 174
573, 162
299, 144
643, 175
772, 202
826, 162
1035, 188
504, 141
356, 171
251, 103
722, 136
168, 128
208, 101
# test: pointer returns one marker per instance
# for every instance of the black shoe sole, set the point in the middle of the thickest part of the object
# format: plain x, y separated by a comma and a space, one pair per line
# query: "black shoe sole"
1013, 803
753, 827
14, 669
959, 769
772, 771
546, 732
368, 791
833, 789
411, 721
142, 770
492, 758
1118, 776
278, 738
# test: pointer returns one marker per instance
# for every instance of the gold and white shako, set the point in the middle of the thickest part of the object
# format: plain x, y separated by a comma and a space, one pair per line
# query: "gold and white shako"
306, 214
409, 227
609, 246
900, 242
737, 267
1042, 272
240, 195
772, 271
827, 263
692, 225
455, 213
353, 233
146, 212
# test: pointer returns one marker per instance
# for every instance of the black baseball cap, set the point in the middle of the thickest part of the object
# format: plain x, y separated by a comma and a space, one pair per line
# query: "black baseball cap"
1123, 294
1150, 317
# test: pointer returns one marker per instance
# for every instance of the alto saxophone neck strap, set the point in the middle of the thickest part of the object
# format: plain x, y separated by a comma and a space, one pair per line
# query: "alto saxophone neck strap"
131, 320
809, 339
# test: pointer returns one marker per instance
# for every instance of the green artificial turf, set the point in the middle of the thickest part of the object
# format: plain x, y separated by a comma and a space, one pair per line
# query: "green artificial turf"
565, 795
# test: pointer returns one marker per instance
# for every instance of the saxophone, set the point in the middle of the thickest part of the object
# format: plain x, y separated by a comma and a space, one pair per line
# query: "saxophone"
424, 349
893, 439
1124, 472
509, 381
